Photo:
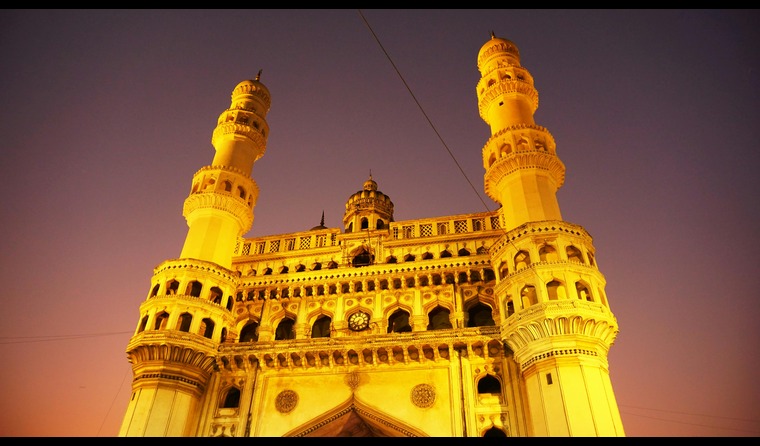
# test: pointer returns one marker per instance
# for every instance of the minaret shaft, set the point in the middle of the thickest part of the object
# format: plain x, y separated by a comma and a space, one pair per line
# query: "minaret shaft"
219, 209
558, 322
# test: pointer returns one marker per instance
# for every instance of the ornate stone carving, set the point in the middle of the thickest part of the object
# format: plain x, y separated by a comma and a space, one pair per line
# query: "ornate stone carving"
423, 395
286, 401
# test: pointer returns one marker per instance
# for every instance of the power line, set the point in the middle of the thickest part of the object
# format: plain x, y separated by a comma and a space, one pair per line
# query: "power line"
690, 424
423, 110
486, 207
691, 414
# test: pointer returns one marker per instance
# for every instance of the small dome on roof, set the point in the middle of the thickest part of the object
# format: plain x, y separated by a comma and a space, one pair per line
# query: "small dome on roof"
321, 223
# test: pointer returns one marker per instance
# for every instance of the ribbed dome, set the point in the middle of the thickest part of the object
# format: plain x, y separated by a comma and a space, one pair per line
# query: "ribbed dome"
252, 87
497, 47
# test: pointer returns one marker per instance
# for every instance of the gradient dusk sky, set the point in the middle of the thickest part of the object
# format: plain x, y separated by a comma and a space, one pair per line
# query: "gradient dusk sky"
107, 114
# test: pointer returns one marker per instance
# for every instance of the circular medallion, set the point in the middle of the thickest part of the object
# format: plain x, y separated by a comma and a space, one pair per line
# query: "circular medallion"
286, 401
423, 395
358, 321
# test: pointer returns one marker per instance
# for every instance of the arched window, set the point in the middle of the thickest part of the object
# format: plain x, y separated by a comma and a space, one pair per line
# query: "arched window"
391, 259
574, 254
547, 253
365, 223
161, 319
194, 288
510, 308
522, 260
494, 432
399, 322
463, 252
555, 290
427, 256
480, 315
154, 292
231, 399
380, 224
207, 328
528, 294
439, 319
216, 295
321, 327
332, 265
583, 292
267, 271
250, 333
409, 258
143, 324
489, 384
172, 287
445, 253
362, 258
184, 322
284, 330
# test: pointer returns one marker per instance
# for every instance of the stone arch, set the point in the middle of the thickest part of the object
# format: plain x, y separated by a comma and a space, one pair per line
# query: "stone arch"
528, 296
250, 332
398, 320
574, 254
479, 314
547, 253
583, 291
355, 419
522, 260
439, 318
555, 290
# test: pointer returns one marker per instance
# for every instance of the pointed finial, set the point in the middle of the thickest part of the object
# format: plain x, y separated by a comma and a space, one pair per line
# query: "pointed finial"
370, 174
258, 76
322, 222
493, 36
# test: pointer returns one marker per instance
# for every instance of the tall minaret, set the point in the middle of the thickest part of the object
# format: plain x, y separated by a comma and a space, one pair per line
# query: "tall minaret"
220, 207
559, 324
188, 311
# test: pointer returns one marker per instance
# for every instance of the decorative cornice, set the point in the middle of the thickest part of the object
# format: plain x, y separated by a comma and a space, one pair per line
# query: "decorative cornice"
222, 202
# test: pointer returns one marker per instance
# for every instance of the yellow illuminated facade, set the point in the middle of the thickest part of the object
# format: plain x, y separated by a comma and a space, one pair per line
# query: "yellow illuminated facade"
484, 324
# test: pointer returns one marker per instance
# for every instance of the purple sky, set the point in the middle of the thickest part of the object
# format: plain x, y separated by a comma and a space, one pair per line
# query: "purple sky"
106, 116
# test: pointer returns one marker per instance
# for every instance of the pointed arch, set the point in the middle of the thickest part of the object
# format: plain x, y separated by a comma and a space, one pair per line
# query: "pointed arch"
547, 253
480, 315
355, 419
398, 322
439, 319
321, 327
185, 319
250, 333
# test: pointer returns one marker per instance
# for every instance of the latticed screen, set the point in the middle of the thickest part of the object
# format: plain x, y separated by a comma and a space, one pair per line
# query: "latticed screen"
260, 247
305, 242
426, 230
274, 246
246, 249
460, 226
495, 223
